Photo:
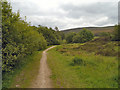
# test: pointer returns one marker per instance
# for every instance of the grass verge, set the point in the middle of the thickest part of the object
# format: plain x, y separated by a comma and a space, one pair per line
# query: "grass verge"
97, 72
24, 73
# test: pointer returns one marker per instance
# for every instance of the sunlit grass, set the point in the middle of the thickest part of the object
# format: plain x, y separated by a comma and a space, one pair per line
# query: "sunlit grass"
98, 71
25, 73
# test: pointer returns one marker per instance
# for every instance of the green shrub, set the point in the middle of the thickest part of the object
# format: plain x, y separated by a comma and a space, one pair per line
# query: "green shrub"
69, 37
83, 36
116, 33
52, 37
78, 61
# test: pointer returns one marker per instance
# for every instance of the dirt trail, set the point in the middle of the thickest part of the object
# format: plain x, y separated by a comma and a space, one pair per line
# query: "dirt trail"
43, 79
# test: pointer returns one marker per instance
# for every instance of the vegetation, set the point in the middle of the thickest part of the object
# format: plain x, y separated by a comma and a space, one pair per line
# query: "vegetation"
69, 37
23, 73
91, 63
81, 37
95, 30
101, 46
52, 37
20, 39
79, 65
116, 36
78, 61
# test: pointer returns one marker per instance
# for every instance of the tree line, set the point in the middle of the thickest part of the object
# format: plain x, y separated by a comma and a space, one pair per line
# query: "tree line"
86, 35
20, 39
81, 37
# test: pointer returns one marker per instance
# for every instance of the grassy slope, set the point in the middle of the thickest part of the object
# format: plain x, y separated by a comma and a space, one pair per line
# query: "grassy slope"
95, 30
99, 71
25, 73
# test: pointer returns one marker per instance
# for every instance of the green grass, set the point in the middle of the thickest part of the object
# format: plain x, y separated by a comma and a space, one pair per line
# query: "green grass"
98, 72
25, 73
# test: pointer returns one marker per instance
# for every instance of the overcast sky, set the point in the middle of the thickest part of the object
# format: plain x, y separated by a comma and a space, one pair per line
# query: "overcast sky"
66, 14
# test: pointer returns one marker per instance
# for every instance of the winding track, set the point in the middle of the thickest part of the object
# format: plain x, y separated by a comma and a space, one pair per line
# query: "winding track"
43, 79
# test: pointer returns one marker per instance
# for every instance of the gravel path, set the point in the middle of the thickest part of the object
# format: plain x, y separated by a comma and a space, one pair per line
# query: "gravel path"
43, 79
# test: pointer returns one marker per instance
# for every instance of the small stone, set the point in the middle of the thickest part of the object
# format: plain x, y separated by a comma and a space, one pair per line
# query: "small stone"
17, 85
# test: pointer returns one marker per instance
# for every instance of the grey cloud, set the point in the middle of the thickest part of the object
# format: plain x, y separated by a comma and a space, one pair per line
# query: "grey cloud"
93, 11
31, 9
98, 8
71, 16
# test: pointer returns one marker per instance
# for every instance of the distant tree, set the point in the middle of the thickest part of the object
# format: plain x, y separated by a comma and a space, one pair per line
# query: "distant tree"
62, 35
116, 33
69, 37
77, 39
51, 36
56, 28
83, 36
50, 28
106, 35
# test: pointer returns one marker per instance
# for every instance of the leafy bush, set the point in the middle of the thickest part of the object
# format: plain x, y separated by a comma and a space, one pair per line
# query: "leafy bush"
83, 36
69, 37
107, 52
19, 39
78, 61
104, 34
116, 33
51, 36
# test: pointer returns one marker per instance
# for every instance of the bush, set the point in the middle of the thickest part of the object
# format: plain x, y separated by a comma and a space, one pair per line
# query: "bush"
52, 37
19, 39
116, 35
104, 34
78, 61
69, 37
83, 36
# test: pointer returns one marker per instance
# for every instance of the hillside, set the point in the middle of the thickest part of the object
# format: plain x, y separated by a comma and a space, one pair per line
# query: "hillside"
88, 65
95, 30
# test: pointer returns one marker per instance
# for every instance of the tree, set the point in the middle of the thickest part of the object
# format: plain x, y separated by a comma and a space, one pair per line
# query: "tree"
56, 28
116, 33
69, 37
83, 36
19, 38
52, 37
62, 35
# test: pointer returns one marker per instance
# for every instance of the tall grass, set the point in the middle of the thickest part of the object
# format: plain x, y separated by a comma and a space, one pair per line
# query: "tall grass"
24, 73
97, 72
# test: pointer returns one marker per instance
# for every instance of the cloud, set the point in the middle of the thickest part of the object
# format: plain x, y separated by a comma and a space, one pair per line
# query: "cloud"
68, 13
94, 10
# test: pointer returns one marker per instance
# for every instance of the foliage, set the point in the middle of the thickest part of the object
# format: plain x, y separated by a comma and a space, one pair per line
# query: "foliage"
116, 33
62, 35
77, 61
56, 28
23, 73
83, 36
52, 37
70, 36
100, 46
98, 72
19, 38
104, 34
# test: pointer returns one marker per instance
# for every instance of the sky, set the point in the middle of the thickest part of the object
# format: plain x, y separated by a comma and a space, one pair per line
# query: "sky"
66, 14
